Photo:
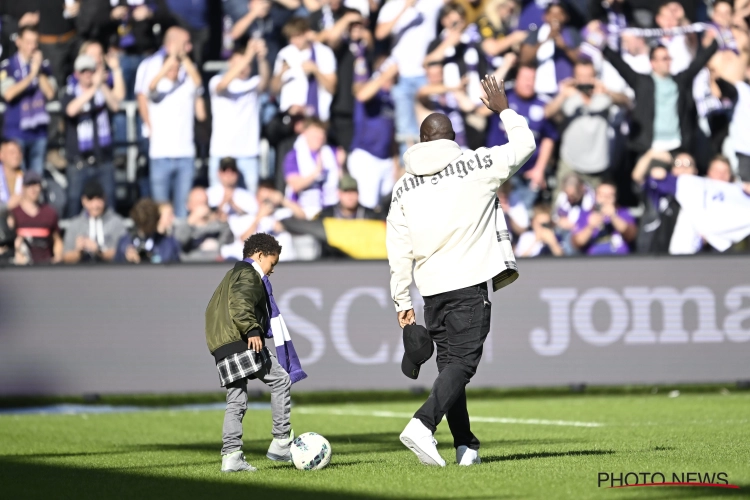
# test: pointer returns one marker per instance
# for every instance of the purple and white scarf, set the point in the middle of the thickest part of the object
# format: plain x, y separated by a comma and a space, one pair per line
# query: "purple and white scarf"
452, 75
33, 103
679, 30
93, 122
277, 330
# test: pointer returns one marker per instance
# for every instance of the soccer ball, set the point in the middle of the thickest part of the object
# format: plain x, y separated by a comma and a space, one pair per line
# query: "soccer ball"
311, 451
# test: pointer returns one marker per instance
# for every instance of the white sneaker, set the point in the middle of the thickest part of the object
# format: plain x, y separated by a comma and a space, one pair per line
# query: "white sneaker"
418, 439
281, 449
235, 462
467, 456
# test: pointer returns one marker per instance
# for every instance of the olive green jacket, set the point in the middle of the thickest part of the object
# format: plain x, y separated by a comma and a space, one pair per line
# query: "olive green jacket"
238, 310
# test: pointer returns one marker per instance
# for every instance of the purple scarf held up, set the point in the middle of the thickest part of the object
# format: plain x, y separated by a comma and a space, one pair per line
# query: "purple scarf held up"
285, 351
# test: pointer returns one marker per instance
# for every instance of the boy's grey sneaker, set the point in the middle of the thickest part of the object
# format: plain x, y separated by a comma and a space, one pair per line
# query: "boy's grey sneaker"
235, 462
281, 449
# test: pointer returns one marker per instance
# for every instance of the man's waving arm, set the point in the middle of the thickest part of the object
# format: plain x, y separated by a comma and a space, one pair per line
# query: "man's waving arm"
508, 158
400, 258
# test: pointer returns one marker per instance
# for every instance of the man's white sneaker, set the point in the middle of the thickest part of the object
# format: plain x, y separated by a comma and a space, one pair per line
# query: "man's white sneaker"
467, 456
418, 439
235, 462
281, 449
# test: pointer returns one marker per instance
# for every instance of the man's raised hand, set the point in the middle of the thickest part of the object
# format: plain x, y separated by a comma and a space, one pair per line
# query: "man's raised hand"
496, 100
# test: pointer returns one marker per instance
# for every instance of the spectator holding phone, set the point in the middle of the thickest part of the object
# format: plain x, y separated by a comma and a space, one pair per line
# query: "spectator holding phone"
145, 244
583, 105
94, 234
607, 229
541, 238
202, 233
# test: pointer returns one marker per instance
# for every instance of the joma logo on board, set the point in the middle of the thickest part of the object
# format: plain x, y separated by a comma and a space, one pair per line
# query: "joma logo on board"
631, 318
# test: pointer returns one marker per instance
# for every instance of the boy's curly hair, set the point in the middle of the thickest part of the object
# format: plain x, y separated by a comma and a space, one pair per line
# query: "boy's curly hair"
263, 243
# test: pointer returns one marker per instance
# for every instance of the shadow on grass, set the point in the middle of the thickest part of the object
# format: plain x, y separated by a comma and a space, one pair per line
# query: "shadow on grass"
678, 492
544, 454
32, 480
342, 444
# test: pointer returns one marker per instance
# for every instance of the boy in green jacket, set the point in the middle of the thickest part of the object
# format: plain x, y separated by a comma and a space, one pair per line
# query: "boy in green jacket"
237, 319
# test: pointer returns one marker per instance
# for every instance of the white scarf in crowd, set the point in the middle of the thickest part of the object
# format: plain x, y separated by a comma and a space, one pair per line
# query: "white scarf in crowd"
451, 71
546, 75
295, 82
96, 231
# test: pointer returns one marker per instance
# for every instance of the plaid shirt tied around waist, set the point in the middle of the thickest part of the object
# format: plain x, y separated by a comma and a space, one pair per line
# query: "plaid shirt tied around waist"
241, 365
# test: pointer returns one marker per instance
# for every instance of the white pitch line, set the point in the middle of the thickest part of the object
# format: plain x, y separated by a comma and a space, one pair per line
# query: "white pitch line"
489, 420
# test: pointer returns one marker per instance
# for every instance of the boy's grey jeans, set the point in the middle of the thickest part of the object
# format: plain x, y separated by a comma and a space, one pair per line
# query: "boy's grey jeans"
275, 377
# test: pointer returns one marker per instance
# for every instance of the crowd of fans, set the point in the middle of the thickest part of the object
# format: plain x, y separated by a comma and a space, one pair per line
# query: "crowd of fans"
318, 99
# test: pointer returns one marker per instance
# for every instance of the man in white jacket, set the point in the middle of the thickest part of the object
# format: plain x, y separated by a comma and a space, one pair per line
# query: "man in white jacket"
445, 220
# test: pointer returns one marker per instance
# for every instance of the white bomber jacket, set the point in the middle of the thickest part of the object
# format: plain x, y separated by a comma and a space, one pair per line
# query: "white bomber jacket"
445, 219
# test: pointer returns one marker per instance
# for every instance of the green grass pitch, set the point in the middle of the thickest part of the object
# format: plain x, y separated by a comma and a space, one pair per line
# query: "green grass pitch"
526, 452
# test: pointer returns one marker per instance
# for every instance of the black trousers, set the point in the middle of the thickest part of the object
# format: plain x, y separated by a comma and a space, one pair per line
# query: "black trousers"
458, 322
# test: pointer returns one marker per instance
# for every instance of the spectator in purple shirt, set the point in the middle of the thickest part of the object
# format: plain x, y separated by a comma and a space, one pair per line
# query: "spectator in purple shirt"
607, 229
311, 170
575, 197
26, 84
524, 101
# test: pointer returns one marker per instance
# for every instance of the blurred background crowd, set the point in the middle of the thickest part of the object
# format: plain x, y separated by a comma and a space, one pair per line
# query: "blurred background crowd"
155, 131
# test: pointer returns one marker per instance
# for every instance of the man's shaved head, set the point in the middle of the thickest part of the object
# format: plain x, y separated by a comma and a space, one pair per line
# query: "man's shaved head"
436, 126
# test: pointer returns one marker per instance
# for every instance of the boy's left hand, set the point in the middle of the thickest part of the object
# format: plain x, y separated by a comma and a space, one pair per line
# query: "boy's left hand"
254, 344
